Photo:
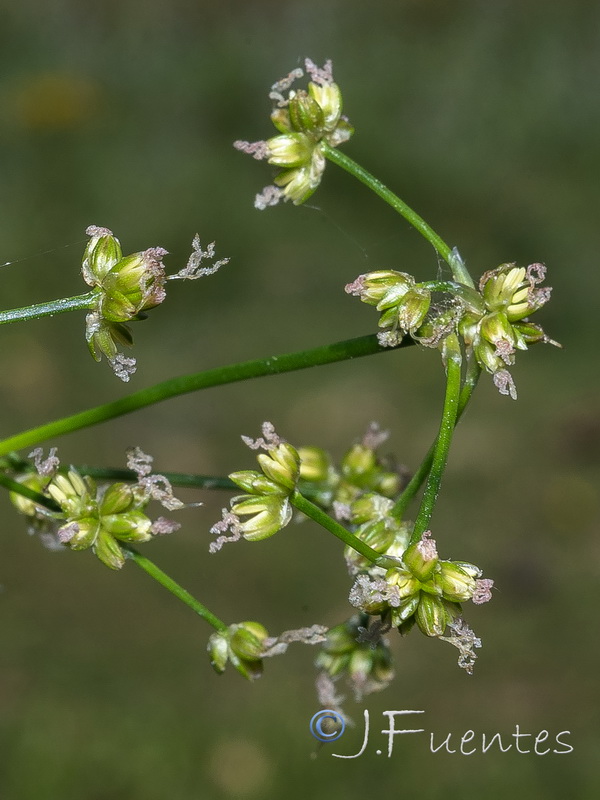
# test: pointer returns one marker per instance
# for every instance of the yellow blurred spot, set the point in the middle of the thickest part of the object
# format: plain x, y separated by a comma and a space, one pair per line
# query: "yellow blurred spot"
240, 768
55, 101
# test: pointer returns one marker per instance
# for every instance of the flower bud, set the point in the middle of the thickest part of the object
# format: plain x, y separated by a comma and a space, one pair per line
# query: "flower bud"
130, 526
422, 558
413, 308
455, 584
431, 616
400, 614
102, 337
306, 114
530, 333
307, 121
360, 663
405, 582
71, 493
378, 535
300, 183
315, 464
281, 465
108, 551
85, 535
487, 357
471, 570
332, 664
359, 464
370, 506
340, 639
246, 640
102, 252
401, 539
218, 650
23, 504
395, 294
372, 287
329, 99
117, 498
134, 284
280, 117
256, 483
246, 647
499, 285
468, 327
290, 150
496, 328
271, 515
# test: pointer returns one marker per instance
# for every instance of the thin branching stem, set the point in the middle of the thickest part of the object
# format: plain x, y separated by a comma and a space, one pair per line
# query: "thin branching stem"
417, 480
273, 365
342, 160
172, 586
333, 526
444, 437
49, 309
30, 494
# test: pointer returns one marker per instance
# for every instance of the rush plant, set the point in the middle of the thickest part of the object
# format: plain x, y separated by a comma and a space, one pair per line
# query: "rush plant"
398, 578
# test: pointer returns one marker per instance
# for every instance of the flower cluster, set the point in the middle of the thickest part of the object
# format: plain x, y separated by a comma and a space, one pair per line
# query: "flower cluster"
126, 288
424, 590
241, 645
306, 121
246, 644
402, 301
361, 470
374, 524
356, 650
493, 321
266, 501
97, 517
510, 295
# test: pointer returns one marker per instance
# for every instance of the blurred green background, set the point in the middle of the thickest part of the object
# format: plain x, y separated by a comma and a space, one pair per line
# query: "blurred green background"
484, 116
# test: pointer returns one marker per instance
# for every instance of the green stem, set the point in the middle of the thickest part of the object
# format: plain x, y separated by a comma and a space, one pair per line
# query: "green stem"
444, 438
417, 480
49, 309
342, 160
318, 515
30, 494
274, 365
13, 461
172, 586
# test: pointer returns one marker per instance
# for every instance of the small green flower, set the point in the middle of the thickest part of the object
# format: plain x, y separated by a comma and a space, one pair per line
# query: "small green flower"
306, 120
126, 287
267, 501
424, 590
356, 650
242, 645
98, 517
361, 471
377, 528
510, 295
494, 322
402, 301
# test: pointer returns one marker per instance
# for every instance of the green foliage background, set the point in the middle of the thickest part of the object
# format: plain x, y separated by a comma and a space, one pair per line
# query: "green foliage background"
484, 116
